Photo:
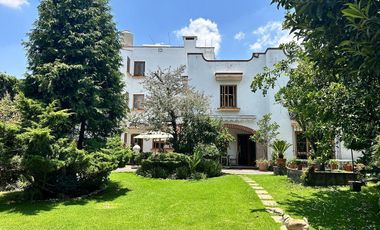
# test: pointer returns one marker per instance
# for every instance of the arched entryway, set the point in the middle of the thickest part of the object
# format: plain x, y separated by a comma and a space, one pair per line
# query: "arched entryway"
242, 150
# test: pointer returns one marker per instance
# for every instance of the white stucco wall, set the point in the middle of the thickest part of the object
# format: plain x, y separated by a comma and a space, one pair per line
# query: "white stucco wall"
202, 77
279, 114
201, 67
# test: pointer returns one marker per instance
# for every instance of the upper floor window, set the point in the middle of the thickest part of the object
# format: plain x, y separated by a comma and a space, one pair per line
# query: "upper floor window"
128, 65
138, 101
228, 96
139, 68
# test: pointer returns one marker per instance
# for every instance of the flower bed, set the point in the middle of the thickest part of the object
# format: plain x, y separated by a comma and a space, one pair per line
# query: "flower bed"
320, 178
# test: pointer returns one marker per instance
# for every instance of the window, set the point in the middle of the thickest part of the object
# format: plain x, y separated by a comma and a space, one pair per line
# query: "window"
302, 145
138, 101
128, 65
159, 145
228, 96
139, 68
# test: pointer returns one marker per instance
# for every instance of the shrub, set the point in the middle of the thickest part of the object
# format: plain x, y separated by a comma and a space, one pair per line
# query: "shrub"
306, 175
162, 165
182, 173
198, 176
210, 168
208, 151
10, 161
137, 159
179, 166
114, 147
194, 160
50, 164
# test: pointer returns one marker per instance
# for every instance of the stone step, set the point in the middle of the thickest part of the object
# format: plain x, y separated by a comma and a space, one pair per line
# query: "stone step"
277, 211
265, 197
269, 203
261, 192
257, 187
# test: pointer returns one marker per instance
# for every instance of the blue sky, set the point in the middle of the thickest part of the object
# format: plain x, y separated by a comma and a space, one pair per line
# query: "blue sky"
236, 28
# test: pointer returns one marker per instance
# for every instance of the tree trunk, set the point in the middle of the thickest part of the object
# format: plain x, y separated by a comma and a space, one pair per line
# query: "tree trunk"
175, 131
81, 135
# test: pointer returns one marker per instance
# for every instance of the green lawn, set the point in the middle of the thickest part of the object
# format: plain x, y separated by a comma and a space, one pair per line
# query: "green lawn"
133, 202
326, 208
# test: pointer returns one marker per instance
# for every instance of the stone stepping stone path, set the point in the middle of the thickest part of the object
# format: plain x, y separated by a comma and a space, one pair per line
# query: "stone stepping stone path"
270, 204
261, 192
266, 199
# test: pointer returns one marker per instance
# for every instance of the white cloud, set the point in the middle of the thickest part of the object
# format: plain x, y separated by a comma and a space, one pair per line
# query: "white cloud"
270, 35
16, 4
239, 36
206, 31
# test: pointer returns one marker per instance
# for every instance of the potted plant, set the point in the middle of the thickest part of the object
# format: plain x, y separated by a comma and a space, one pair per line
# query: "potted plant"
279, 148
347, 166
292, 164
321, 163
333, 164
271, 163
299, 165
263, 164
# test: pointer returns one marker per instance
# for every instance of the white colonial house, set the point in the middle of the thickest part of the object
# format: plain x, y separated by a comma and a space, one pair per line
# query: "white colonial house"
227, 83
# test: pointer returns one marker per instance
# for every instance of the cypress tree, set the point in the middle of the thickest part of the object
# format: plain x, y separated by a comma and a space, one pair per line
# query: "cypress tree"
74, 59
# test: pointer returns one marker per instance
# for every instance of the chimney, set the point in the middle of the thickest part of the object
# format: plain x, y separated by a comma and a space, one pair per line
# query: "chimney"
190, 41
126, 39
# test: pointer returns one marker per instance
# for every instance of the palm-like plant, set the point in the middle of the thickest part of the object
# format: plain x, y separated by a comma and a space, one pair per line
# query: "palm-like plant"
194, 160
279, 147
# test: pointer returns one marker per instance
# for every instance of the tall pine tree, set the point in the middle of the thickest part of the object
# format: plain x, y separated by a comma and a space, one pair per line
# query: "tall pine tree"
74, 58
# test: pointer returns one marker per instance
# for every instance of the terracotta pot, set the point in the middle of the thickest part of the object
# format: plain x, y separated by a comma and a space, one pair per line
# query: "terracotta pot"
347, 167
292, 165
299, 167
263, 166
281, 162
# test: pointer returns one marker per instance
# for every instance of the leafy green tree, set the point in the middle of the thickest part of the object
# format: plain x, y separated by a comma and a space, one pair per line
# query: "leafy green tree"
8, 85
267, 132
341, 40
74, 59
305, 98
204, 130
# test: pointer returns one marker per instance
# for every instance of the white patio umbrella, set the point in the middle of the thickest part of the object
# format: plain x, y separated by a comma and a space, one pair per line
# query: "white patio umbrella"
154, 135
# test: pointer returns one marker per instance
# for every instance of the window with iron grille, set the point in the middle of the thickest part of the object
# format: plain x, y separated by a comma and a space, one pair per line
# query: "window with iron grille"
228, 96
138, 101
139, 68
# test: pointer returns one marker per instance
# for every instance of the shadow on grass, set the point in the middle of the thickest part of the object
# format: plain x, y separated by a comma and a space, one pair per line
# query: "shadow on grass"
338, 210
13, 202
258, 210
